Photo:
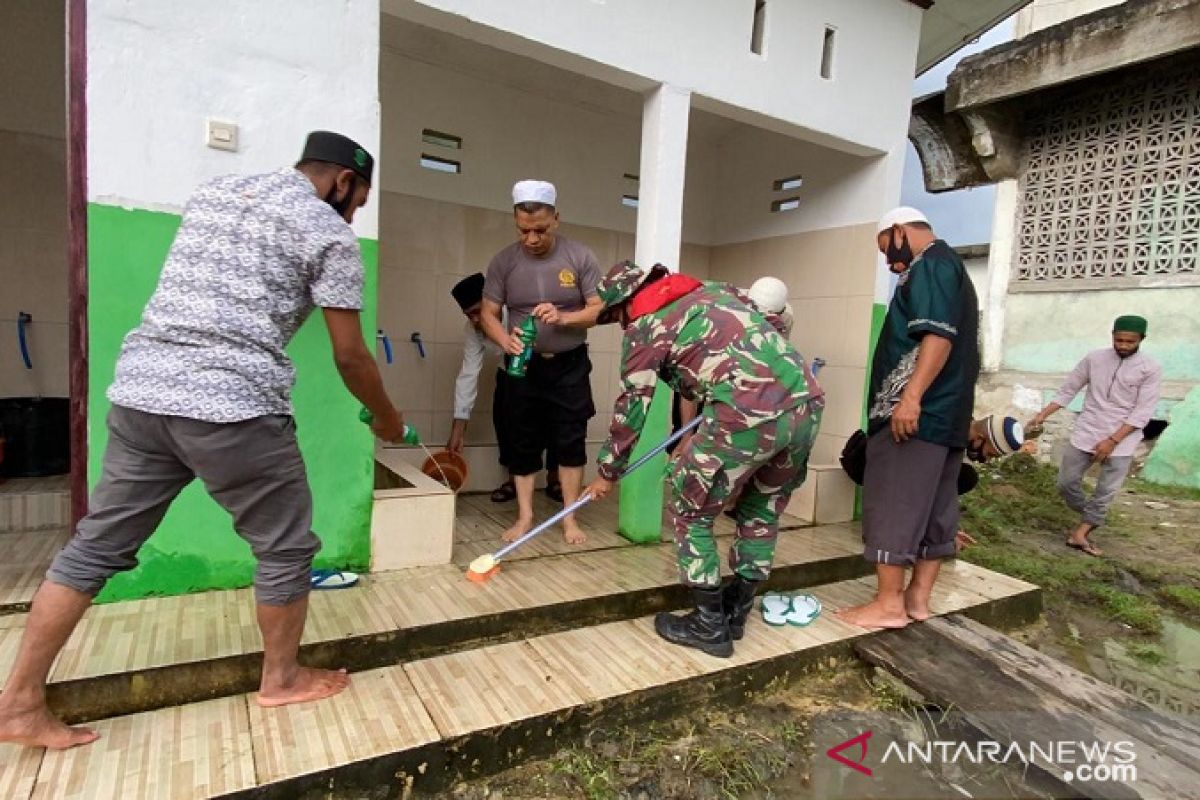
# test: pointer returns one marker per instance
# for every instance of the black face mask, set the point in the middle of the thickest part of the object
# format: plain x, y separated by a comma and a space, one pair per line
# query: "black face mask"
343, 205
899, 255
975, 453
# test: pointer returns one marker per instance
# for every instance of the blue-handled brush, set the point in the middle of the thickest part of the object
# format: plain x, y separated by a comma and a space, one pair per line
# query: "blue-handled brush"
487, 565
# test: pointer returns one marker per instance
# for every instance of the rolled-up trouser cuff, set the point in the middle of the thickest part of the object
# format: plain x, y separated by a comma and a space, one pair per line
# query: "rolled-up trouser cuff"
890, 559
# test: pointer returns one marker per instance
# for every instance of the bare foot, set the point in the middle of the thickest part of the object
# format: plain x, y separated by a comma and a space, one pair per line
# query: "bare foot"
40, 728
309, 685
916, 607
1085, 546
873, 615
518, 530
573, 535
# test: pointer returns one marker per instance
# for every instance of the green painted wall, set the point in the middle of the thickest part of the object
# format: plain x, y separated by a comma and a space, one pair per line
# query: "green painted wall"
1175, 459
196, 548
1051, 331
639, 518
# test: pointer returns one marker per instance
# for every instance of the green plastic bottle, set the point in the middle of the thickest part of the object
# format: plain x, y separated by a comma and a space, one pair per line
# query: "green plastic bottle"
410, 434
517, 365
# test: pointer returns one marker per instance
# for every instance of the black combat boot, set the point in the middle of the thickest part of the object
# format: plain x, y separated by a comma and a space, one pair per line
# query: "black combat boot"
738, 602
706, 628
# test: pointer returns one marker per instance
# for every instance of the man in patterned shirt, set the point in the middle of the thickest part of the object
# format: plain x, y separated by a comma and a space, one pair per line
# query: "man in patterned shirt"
203, 390
762, 409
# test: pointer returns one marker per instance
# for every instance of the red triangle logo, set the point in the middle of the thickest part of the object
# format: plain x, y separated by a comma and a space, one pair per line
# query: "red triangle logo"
835, 753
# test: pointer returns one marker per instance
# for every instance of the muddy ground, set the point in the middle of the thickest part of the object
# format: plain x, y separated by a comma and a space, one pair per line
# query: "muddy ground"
1131, 617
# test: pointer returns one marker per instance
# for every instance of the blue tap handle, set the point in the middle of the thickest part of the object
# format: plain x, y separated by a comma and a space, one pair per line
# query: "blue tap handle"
387, 345
817, 363
416, 339
23, 319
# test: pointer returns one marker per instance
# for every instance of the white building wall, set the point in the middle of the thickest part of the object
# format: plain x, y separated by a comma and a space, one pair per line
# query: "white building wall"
704, 46
277, 68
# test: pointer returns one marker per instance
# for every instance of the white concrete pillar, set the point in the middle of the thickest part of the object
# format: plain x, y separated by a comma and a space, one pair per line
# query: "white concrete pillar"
663, 167
1000, 261
659, 235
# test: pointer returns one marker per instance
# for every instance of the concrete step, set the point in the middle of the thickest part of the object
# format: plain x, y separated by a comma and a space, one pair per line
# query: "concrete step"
160, 652
430, 722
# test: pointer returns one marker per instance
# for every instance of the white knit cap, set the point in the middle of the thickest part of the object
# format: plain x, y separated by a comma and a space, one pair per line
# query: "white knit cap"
900, 216
769, 294
530, 191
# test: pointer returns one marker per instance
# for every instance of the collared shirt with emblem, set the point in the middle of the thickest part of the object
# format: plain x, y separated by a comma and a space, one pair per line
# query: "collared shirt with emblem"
566, 276
254, 255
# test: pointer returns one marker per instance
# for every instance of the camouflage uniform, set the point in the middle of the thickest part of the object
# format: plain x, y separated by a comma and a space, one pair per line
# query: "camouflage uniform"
762, 409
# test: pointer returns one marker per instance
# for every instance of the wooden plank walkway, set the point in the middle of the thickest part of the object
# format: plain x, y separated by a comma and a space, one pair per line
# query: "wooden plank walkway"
194, 647
1011, 693
27, 555
430, 722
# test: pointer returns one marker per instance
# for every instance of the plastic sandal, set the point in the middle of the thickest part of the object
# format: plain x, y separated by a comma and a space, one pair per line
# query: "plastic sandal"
776, 608
805, 609
333, 579
504, 492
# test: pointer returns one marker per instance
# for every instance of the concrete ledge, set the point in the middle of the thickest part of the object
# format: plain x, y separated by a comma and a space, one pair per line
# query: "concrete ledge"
1130, 33
827, 496
412, 522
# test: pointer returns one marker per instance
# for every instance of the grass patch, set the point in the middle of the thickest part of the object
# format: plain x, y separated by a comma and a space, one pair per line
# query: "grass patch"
1016, 495
1185, 597
594, 775
1161, 490
1150, 654
1054, 573
1137, 612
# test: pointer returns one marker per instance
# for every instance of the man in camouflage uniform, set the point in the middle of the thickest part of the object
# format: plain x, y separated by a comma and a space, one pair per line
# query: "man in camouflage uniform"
762, 408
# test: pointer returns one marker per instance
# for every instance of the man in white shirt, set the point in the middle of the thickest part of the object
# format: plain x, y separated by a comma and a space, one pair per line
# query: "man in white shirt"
1122, 389
468, 293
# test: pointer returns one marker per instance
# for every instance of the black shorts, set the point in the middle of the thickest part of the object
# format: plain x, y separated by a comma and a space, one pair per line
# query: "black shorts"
549, 409
500, 423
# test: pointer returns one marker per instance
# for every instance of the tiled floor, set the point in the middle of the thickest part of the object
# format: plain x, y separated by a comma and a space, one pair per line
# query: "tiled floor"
28, 504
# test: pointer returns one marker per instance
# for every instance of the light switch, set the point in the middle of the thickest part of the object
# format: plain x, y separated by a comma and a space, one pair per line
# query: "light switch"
222, 135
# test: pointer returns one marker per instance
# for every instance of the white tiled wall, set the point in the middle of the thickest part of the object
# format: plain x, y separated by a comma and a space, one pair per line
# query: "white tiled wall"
33, 199
426, 246
831, 277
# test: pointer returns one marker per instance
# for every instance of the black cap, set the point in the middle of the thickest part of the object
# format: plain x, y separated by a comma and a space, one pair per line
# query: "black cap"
468, 291
334, 148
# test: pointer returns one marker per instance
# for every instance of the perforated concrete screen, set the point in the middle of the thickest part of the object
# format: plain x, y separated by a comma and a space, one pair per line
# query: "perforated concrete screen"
1110, 191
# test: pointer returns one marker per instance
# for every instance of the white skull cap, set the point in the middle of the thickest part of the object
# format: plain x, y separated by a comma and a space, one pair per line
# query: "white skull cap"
902, 215
531, 191
769, 294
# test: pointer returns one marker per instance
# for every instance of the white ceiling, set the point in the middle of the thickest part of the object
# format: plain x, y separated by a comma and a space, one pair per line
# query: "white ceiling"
950, 24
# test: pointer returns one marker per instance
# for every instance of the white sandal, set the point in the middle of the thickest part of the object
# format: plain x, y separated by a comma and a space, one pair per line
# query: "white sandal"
805, 609
776, 608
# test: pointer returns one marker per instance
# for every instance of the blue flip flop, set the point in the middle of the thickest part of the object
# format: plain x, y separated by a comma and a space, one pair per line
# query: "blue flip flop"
333, 579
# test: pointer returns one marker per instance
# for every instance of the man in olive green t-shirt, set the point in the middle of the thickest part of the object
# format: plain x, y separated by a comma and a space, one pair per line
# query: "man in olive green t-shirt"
553, 279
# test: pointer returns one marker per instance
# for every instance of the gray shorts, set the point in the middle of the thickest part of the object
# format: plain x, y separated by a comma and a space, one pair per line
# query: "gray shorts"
253, 469
910, 500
